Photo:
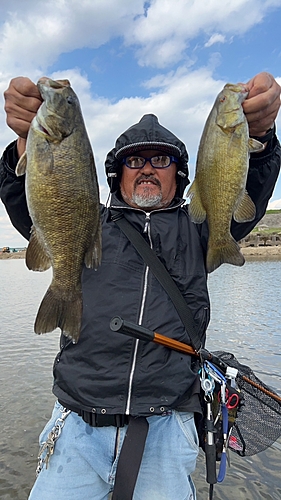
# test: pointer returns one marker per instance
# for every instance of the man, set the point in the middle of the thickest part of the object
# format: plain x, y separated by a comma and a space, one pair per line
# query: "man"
106, 378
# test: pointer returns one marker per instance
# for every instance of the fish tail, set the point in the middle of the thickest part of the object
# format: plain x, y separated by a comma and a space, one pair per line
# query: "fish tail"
58, 312
228, 253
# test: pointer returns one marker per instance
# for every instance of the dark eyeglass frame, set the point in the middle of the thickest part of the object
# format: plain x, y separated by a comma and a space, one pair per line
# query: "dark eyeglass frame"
171, 158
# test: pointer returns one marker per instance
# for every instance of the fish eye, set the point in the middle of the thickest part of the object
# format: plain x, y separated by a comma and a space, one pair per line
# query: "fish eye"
222, 99
70, 99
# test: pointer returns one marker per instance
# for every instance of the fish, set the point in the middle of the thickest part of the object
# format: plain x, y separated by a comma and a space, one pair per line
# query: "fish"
218, 192
62, 195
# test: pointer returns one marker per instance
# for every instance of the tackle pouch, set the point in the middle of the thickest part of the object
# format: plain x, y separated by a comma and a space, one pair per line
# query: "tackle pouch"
220, 400
201, 420
232, 410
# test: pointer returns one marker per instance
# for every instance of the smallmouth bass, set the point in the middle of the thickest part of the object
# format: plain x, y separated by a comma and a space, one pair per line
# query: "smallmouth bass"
63, 201
218, 190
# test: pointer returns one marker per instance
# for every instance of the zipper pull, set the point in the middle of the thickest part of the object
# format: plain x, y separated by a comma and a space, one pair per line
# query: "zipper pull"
146, 222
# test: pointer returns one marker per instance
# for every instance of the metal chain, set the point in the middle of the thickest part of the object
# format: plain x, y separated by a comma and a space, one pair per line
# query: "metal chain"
48, 446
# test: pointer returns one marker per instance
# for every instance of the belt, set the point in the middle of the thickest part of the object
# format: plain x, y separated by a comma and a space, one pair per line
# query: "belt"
100, 419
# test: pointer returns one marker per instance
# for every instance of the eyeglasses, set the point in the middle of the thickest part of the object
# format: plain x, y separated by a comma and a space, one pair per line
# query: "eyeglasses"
159, 161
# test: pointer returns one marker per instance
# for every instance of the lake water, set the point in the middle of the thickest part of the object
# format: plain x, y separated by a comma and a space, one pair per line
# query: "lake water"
245, 321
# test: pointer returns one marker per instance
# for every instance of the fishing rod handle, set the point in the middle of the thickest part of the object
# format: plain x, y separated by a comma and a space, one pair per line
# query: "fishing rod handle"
118, 324
211, 469
210, 447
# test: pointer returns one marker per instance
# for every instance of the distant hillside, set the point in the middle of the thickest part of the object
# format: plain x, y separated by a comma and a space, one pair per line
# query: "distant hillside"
271, 219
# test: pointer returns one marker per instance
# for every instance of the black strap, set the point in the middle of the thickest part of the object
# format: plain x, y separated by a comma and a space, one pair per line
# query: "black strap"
162, 275
130, 459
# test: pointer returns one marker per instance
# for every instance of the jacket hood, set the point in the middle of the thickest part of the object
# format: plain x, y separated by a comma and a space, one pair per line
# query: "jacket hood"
147, 134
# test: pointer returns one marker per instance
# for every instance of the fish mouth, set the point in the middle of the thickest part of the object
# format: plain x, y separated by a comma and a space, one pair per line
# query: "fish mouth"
47, 85
41, 128
237, 87
54, 84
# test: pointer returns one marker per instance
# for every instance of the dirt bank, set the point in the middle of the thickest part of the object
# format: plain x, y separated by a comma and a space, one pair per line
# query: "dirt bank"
262, 252
13, 255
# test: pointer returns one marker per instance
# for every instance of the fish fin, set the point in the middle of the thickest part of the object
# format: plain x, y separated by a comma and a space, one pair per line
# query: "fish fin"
36, 258
196, 210
57, 312
255, 146
224, 254
246, 210
21, 165
93, 255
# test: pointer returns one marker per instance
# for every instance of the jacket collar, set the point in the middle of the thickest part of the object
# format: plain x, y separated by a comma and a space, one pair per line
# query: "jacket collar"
118, 203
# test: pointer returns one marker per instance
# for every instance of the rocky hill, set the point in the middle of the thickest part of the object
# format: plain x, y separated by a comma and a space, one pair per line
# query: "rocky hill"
271, 220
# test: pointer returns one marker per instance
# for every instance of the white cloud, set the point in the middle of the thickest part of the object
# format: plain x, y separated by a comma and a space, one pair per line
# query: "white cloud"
33, 37
165, 31
35, 32
215, 38
274, 205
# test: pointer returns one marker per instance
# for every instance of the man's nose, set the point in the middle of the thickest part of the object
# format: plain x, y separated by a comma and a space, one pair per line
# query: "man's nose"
148, 168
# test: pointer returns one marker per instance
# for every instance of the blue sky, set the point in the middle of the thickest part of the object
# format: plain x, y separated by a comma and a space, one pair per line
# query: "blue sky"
126, 58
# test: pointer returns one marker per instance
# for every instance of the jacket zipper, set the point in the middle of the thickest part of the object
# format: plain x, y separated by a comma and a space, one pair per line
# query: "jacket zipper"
144, 293
145, 230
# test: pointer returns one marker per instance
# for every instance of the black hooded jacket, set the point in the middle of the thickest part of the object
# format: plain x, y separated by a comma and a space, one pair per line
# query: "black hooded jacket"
106, 372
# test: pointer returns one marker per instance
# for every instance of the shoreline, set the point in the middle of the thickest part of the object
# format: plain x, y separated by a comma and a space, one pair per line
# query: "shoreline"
262, 253
250, 253
13, 255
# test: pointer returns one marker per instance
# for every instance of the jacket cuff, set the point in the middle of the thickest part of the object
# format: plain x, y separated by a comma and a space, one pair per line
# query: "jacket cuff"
271, 140
267, 137
10, 158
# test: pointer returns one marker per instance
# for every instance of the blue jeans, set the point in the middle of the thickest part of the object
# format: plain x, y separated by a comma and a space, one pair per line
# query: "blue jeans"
83, 465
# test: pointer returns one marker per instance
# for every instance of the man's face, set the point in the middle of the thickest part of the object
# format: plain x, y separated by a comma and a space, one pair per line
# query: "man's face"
148, 187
